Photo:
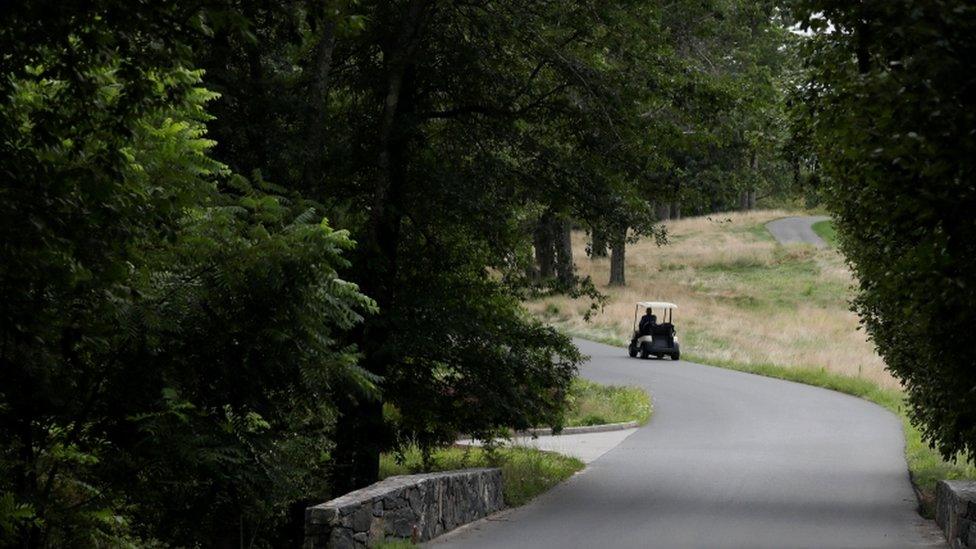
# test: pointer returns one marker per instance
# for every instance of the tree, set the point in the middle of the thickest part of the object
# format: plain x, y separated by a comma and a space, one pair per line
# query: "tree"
169, 336
728, 154
429, 107
892, 111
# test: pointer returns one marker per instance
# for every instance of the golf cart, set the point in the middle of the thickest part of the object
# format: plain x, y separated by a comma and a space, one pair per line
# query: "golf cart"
658, 339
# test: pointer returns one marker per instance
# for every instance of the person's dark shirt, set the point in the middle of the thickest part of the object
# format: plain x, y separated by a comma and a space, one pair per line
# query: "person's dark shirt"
646, 322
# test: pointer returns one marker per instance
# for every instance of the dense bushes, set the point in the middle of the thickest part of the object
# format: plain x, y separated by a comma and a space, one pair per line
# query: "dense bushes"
170, 332
180, 351
892, 112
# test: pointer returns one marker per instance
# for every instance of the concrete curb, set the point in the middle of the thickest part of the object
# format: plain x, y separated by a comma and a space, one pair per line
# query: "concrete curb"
546, 431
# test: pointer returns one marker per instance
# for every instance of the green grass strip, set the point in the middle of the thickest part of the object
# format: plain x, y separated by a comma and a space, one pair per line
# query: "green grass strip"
394, 543
526, 472
825, 230
591, 403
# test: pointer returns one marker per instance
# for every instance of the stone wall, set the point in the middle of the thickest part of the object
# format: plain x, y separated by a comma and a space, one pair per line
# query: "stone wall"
955, 511
417, 507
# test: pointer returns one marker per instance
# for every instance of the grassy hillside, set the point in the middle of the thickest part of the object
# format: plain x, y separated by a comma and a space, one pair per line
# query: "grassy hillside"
742, 298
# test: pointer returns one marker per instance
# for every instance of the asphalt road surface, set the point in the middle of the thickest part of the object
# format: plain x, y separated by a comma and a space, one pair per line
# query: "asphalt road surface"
797, 230
728, 460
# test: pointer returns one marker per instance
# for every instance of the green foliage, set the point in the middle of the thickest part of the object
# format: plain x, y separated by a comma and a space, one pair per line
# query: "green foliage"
739, 56
171, 334
590, 403
891, 113
440, 133
526, 472
443, 130
250, 291
188, 353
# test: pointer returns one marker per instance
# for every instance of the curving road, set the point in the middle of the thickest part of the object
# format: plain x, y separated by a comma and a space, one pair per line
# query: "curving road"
728, 460
797, 230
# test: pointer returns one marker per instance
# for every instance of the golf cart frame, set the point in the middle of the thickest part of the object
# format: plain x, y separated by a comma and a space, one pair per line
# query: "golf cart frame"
660, 340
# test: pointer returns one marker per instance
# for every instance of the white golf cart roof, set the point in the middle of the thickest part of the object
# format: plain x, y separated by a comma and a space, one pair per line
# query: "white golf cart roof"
656, 305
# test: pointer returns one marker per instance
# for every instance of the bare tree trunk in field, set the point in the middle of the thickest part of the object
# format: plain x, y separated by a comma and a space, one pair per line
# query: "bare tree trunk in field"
544, 244
676, 210
598, 244
714, 205
531, 269
565, 270
662, 211
743, 200
618, 247
751, 191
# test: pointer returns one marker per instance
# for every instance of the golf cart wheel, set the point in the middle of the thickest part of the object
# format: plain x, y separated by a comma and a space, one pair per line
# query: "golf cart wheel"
632, 351
644, 354
676, 356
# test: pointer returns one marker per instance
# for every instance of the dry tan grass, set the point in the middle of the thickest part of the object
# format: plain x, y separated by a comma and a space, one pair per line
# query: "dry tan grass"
742, 297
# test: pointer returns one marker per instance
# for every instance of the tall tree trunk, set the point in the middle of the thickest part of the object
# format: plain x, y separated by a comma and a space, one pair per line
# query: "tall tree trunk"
543, 240
598, 244
751, 191
565, 270
714, 204
662, 210
618, 245
360, 430
676, 210
256, 131
315, 141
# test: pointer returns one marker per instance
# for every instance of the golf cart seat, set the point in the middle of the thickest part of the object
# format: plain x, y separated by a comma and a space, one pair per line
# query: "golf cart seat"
665, 329
662, 336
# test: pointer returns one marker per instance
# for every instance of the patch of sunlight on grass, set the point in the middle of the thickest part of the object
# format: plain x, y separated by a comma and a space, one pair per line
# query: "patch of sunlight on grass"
526, 472
825, 230
595, 404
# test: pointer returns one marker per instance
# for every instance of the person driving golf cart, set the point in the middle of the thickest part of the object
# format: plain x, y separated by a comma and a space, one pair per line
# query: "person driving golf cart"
651, 338
647, 323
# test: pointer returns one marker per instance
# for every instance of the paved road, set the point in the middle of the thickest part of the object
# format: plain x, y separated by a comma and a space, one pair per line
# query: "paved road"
586, 447
797, 230
728, 460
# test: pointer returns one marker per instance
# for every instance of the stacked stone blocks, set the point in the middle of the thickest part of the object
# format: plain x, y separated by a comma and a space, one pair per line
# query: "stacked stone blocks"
415, 507
955, 512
